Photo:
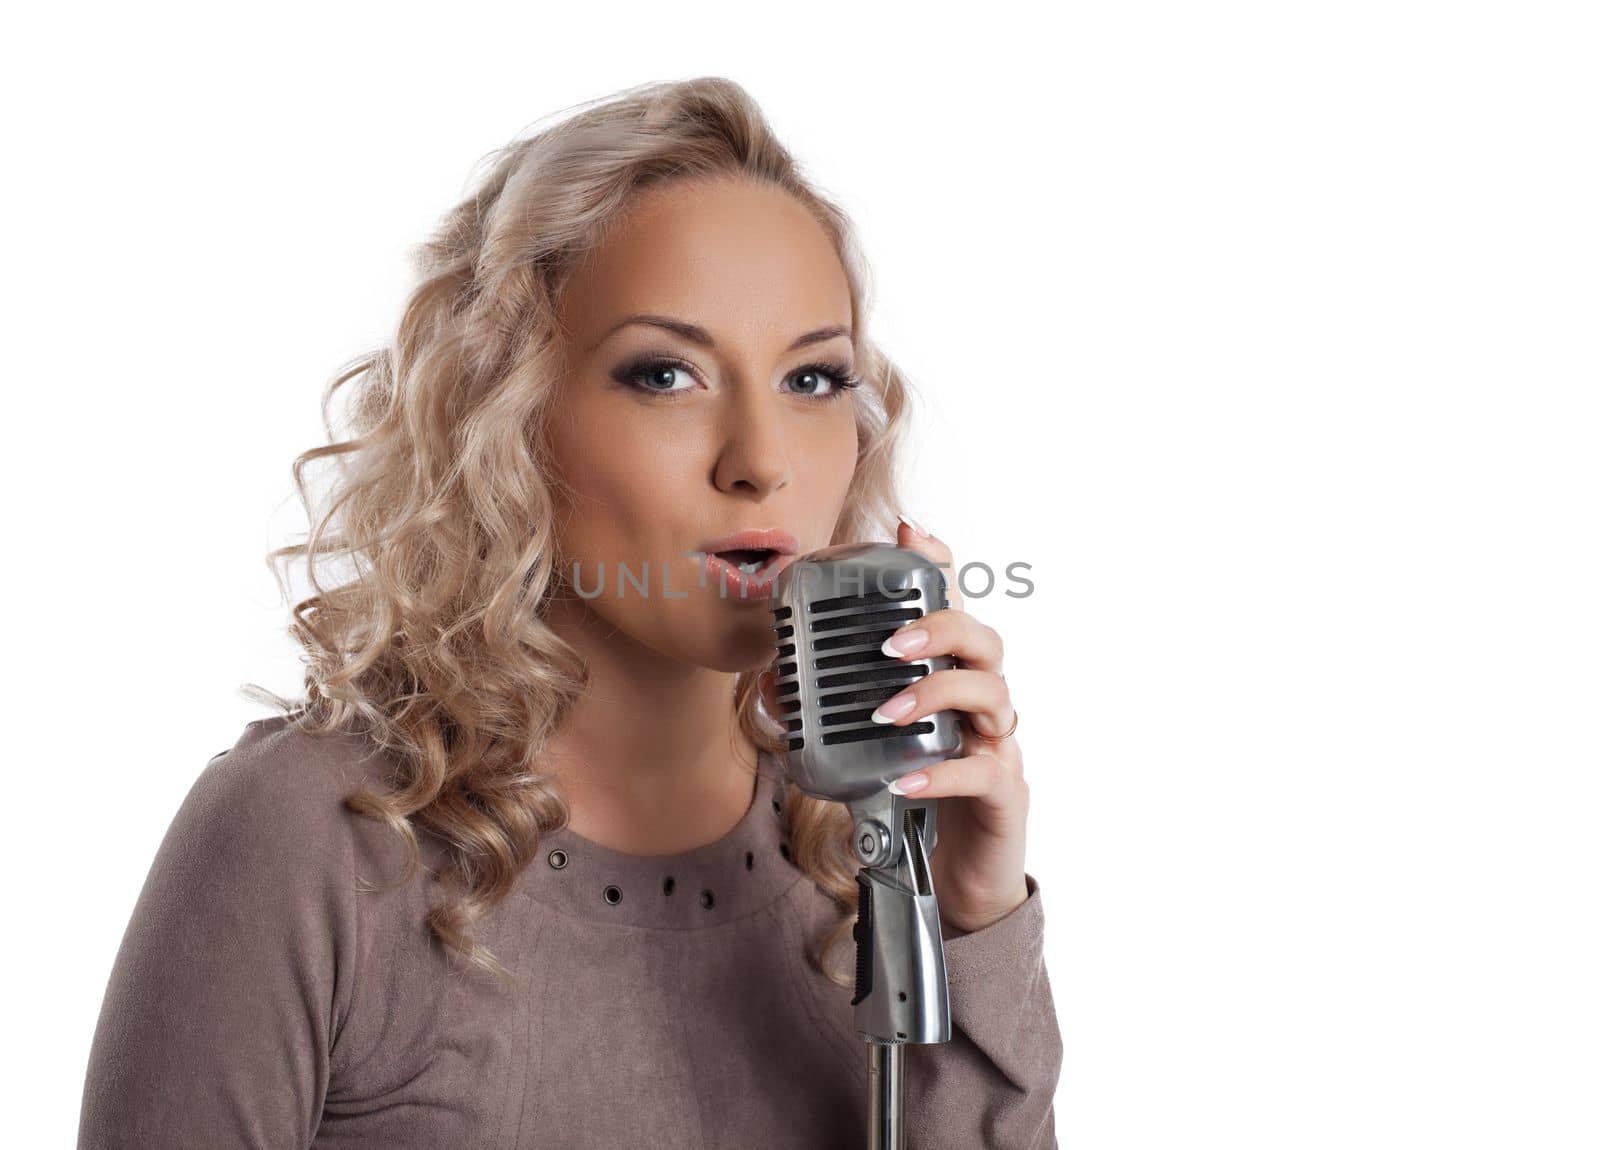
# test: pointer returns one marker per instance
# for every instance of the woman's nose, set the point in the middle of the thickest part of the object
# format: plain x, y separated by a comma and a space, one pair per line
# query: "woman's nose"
754, 459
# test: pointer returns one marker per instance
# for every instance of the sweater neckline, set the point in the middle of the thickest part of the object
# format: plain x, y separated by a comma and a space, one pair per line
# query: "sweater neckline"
744, 870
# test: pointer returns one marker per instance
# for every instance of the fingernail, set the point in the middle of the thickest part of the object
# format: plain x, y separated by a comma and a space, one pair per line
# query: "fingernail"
892, 709
912, 523
905, 642
909, 784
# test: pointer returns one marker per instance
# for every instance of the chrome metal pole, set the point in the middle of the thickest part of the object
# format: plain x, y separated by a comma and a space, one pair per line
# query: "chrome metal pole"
887, 1100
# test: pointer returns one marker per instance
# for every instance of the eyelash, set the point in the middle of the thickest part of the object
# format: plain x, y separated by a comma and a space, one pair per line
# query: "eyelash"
843, 381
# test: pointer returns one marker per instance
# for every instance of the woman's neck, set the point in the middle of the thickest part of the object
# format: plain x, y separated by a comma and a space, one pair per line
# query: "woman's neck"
651, 759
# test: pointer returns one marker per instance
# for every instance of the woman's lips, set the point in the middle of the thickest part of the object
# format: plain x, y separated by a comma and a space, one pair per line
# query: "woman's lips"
762, 539
753, 586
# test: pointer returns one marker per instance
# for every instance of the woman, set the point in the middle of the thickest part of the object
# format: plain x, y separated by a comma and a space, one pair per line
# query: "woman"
522, 869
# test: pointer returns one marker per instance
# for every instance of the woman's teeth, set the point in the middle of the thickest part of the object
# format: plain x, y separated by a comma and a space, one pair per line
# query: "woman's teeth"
746, 559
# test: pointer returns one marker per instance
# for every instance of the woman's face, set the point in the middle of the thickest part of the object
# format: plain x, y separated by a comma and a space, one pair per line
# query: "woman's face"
667, 441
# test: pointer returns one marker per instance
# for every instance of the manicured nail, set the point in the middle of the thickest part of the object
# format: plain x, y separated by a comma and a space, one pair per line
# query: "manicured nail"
909, 784
905, 642
898, 707
912, 523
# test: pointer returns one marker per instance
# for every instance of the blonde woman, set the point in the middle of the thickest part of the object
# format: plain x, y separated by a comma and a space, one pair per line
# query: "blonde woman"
522, 868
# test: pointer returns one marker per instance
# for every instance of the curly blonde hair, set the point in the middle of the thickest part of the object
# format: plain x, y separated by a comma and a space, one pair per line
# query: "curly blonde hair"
435, 643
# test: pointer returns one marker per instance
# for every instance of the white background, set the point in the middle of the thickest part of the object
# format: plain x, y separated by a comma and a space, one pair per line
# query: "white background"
1265, 332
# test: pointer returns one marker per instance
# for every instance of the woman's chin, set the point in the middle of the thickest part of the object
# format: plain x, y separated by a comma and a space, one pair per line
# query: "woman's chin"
746, 643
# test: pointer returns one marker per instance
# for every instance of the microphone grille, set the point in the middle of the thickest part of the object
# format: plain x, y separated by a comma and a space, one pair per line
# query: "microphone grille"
834, 608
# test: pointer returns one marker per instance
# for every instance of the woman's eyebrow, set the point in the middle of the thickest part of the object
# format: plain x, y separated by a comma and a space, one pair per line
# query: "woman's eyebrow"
699, 335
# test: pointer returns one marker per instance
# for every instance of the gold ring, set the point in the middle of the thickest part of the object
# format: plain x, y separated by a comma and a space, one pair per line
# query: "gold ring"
1000, 738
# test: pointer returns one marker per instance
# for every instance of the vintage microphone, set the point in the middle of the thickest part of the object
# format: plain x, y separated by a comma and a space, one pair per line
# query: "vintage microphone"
832, 611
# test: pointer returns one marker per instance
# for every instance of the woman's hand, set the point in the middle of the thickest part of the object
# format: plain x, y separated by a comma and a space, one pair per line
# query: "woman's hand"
977, 862
982, 822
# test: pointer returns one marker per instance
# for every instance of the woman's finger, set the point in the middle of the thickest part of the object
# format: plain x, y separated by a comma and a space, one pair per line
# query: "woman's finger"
949, 632
982, 694
994, 781
934, 550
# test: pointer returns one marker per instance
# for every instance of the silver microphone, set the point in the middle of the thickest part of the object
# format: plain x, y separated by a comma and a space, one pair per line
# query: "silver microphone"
832, 611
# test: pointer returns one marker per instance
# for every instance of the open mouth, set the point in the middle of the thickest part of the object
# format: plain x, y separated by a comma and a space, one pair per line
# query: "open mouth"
748, 559
746, 574
745, 565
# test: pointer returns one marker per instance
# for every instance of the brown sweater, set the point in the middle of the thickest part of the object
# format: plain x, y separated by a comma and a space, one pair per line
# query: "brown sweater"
260, 1000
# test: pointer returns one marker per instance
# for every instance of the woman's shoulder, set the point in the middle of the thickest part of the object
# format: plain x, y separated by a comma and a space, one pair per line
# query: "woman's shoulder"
240, 961
279, 794
277, 762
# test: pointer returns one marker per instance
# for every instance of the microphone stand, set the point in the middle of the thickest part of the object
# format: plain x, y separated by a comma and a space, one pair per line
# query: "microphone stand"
823, 604
902, 995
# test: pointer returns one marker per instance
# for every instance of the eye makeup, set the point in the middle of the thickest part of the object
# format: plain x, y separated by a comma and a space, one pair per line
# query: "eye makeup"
634, 371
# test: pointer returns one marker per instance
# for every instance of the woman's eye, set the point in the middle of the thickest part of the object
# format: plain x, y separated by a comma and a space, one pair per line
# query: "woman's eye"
822, 380
671, 378
813, 382
661, 378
